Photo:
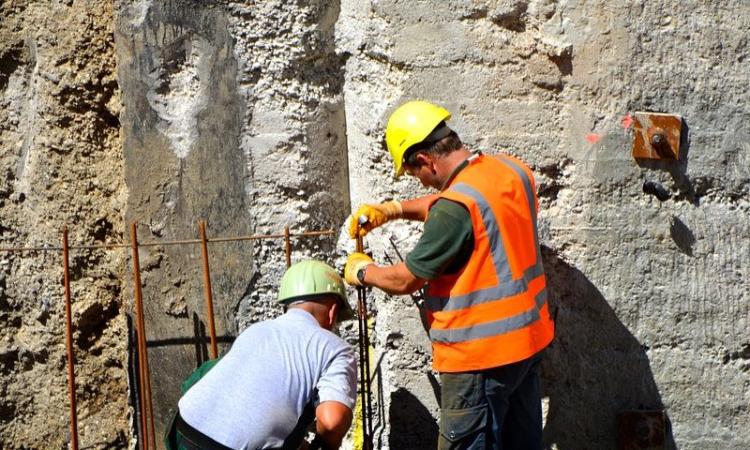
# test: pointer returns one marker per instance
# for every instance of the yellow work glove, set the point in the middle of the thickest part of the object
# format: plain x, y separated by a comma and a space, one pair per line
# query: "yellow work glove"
354, 263
376, 215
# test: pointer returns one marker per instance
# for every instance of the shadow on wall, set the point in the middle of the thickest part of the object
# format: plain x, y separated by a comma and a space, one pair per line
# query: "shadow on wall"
594, 370
412, 425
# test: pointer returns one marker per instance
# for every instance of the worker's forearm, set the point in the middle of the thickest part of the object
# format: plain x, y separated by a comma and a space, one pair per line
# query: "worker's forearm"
416, 209
332, 438
395, 280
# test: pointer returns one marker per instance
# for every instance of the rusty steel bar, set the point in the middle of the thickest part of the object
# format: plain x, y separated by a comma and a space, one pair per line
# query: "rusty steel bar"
287, 247
361, 341
69, 343
47, 248
275, 236
364, 357
141, 375
368, 379
209, 296
362, 378
179, 242
147, 413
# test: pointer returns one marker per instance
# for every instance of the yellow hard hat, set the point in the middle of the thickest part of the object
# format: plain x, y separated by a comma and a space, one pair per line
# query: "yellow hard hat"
410, 124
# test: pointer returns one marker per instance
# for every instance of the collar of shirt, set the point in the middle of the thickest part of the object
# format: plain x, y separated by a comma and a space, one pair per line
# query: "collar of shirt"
473, 157
301, 314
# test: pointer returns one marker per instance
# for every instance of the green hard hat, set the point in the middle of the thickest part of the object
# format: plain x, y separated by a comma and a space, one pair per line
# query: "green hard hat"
313, 278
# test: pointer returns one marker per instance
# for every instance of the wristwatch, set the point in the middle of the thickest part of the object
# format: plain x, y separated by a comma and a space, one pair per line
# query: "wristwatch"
361, 275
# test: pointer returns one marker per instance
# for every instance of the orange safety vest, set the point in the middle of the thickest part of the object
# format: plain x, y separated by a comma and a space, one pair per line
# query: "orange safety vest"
494, 311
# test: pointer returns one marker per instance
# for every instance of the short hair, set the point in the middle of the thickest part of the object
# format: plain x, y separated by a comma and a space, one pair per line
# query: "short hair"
442, 146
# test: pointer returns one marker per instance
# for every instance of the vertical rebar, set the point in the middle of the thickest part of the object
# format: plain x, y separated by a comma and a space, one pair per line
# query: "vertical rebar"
209, 295
287, 247
69, 343
147, 413
362, 378
364, 358
368, 380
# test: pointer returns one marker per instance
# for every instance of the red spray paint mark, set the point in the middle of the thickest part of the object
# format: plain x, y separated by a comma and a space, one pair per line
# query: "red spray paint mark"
593, 138
627, 122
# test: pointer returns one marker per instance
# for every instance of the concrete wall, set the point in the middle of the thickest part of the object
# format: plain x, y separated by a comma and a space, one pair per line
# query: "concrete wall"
181, 122
233, 114
60, 162
258, 115
650, 298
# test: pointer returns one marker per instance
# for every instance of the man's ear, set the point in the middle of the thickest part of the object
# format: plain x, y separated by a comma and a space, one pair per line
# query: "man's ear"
333, 313
427, 160
422, 159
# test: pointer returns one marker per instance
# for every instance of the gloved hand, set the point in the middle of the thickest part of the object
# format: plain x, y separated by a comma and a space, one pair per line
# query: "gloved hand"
376, 215
354, 263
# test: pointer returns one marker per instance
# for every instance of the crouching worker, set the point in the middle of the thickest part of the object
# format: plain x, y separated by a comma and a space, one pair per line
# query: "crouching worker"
279, 376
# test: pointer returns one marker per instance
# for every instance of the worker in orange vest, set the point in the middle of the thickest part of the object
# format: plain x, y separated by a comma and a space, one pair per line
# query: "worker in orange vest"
480, 266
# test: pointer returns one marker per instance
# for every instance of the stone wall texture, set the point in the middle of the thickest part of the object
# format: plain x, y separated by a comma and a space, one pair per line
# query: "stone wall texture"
258, 115
650, 297
61, 162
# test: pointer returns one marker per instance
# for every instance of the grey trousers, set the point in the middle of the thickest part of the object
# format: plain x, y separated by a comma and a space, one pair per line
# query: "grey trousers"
498, 409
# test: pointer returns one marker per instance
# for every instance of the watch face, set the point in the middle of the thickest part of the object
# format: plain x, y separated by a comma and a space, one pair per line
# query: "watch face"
361, 275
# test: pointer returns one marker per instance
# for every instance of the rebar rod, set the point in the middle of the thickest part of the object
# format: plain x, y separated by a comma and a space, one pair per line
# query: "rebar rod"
367, 366
364, 360
69, 343
147, 413
49, 248
362, 377
139, 344
287, 247
361, 341
417, 296
209, 295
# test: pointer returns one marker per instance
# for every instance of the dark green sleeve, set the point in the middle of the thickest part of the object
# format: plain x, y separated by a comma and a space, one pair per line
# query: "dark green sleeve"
446, 244
198, 374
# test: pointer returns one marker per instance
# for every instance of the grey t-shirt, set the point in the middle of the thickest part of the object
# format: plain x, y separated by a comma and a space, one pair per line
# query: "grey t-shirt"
255, 395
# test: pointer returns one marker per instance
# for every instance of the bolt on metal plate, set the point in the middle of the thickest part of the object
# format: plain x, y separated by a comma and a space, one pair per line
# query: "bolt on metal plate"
657, 135
641, 430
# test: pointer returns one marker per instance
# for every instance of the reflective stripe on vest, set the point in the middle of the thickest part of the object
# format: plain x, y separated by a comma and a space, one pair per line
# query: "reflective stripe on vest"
494, 328
527, 186
507, 286
533, 321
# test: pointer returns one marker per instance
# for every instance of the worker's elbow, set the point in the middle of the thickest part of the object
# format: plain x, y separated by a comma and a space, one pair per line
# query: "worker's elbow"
336, 425
333, 421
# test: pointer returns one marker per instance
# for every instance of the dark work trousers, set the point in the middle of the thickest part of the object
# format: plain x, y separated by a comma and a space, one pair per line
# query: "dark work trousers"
185, 437
498, 409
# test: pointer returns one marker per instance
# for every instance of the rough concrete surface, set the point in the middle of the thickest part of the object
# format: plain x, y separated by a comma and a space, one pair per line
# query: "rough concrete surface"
233, 114
181, 122
61, 162
257, 115
650, 298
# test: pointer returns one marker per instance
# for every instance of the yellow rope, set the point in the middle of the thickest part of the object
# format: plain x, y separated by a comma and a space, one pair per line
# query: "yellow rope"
359, 433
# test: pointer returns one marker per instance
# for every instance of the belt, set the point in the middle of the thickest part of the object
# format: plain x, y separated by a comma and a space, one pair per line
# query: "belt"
200, 440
